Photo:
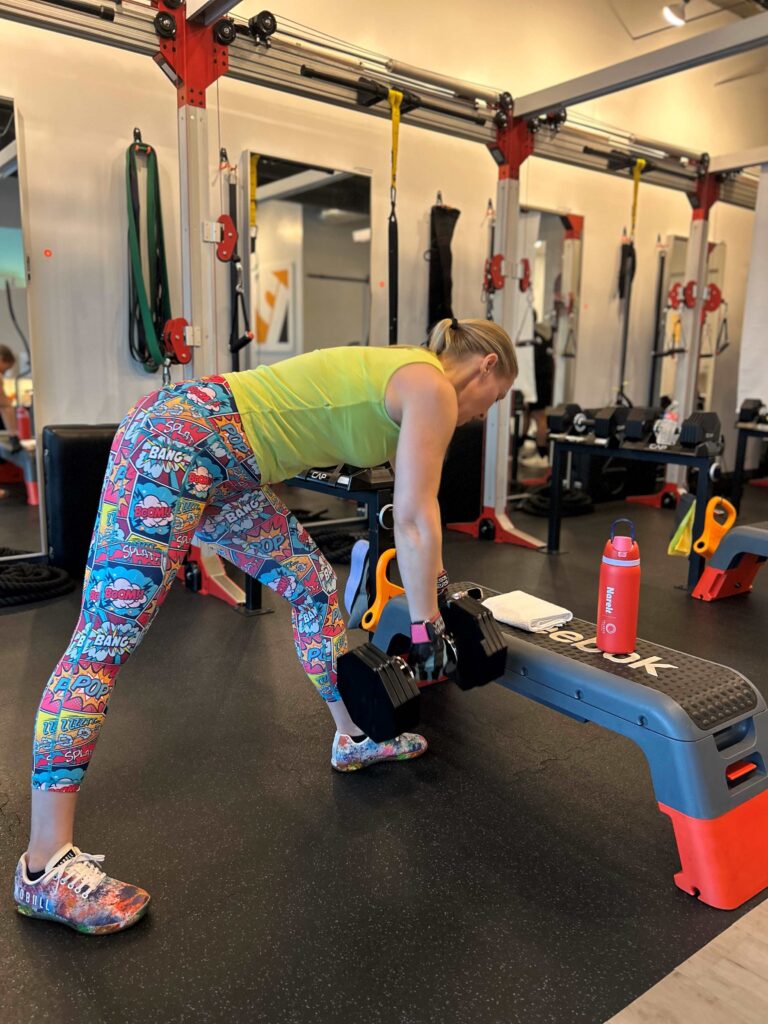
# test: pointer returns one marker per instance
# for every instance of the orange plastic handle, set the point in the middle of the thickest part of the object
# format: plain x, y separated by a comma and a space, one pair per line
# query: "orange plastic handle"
385, 590
714, 531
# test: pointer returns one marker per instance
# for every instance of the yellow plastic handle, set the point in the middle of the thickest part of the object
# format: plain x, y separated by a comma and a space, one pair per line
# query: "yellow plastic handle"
385, 590
714, 531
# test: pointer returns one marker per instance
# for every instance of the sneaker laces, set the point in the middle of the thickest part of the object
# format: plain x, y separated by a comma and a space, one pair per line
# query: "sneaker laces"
83, 872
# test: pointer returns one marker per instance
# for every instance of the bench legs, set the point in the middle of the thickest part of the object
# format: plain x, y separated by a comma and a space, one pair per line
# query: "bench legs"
724, 861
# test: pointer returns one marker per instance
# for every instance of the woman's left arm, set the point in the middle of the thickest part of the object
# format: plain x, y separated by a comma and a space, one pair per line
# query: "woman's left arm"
428, 422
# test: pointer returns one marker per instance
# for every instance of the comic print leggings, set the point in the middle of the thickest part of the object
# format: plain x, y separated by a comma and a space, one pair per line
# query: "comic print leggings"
180, 467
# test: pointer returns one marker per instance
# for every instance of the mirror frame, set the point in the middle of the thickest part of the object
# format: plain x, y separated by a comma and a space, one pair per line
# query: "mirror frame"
41, 555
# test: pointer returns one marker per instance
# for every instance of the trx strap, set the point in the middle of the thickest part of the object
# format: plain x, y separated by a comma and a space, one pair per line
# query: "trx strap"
150, 303
627, 267
678, 346
253, 185
395, 100
637, 171
723, 341
442, 224
569, 349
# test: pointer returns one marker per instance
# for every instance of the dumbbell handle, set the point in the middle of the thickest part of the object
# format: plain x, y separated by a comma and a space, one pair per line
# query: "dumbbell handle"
398, 649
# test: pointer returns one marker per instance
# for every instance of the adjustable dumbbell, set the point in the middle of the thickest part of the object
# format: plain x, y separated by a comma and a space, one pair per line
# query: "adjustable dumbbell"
639, 424
378, 688
560, 419
701, 433
608, 423
379, 692
753, 410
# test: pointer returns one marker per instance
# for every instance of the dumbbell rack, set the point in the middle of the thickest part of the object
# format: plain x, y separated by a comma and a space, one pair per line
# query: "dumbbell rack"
563, 447
376, 496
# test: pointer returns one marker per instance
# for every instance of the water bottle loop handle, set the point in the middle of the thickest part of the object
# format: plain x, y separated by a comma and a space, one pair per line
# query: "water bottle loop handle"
616, 522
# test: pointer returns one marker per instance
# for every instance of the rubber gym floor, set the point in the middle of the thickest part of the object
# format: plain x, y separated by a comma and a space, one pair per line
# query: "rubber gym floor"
519, 872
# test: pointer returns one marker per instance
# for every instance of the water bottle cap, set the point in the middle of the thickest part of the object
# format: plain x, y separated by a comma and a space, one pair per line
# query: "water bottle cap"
615, 523
622, 543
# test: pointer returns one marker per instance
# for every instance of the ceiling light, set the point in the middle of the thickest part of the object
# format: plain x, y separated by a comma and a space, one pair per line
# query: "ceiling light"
675, 13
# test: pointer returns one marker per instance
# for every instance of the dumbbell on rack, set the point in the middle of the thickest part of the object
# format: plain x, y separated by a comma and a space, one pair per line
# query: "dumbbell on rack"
599, 426
379, 689
702, 434
638, 428
753, 410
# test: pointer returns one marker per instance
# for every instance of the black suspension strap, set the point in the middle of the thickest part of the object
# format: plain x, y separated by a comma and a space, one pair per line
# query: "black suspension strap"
239, 311
395, 103
628, 265
442, 225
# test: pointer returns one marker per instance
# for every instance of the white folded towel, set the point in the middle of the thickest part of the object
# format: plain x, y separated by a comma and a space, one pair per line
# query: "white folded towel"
526, 611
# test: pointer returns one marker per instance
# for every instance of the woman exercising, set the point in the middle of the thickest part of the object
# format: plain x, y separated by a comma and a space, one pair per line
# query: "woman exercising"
195, 459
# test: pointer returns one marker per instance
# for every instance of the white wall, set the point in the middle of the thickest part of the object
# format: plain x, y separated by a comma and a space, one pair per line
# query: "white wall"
79, 102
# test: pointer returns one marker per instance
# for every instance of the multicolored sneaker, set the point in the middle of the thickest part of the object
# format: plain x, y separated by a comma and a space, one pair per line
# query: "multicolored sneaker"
76, 892
348, 756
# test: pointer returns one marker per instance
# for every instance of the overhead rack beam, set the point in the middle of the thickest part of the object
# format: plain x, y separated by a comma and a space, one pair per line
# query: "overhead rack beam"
590, 150
299, 68
738, 161
739, 37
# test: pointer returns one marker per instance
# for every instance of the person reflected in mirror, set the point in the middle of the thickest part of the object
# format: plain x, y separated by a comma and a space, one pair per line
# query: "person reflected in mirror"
536, 412
7, 412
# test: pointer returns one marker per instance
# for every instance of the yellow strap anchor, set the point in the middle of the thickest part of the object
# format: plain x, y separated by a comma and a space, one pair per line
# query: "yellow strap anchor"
395, 102
254, 184
637, 171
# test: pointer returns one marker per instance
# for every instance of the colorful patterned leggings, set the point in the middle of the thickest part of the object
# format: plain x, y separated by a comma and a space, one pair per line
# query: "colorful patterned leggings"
180, 466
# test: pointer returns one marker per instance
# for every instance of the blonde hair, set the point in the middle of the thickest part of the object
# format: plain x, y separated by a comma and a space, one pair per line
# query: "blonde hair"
459, 338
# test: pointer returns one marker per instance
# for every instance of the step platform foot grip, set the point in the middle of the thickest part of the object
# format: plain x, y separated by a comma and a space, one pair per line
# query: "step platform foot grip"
724, 860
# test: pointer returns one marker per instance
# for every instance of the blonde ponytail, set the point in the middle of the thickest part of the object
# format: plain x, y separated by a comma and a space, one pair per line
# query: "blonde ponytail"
459, 338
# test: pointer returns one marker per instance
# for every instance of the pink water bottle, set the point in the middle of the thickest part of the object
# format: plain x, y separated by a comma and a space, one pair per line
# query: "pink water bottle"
619, 594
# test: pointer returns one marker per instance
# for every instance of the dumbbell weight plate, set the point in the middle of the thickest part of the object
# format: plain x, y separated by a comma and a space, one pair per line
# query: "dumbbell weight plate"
380, 695
482, 652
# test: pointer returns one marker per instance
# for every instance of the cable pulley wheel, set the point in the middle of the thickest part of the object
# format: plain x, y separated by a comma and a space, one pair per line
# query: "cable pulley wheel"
165, 25
224, 31
262, 26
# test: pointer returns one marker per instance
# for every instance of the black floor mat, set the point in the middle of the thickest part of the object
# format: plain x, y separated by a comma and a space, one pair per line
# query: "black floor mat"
518, 873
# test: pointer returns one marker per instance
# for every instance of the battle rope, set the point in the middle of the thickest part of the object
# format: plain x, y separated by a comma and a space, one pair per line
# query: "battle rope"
25, 582
539, 499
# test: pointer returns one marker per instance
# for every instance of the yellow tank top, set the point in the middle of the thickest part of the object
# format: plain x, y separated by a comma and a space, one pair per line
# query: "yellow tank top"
321, 408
